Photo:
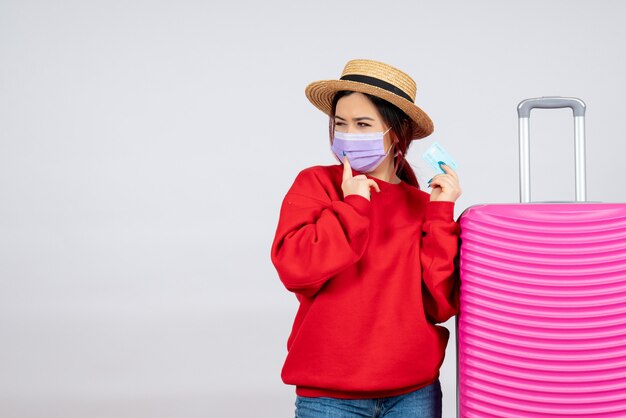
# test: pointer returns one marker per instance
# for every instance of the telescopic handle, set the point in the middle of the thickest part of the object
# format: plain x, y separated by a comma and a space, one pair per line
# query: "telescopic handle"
578, 108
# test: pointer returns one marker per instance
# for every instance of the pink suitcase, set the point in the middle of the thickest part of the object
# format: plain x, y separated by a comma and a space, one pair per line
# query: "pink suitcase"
542, 328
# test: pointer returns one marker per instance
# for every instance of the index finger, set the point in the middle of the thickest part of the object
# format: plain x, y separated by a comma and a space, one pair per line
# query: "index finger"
448, 170
347, 170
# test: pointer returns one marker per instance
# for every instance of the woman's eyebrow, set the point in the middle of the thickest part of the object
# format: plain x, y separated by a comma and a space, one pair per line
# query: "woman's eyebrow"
356, 119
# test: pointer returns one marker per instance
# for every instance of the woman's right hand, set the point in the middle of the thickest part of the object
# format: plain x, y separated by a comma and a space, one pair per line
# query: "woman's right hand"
359, 185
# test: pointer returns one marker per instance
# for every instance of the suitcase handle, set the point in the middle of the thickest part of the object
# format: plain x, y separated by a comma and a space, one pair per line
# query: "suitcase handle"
523, 110
525, 106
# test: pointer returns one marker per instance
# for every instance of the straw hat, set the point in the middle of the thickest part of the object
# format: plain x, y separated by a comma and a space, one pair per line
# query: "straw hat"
378, 79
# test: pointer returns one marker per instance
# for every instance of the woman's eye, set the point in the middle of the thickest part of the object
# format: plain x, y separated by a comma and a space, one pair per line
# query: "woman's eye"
339, 123
364, 125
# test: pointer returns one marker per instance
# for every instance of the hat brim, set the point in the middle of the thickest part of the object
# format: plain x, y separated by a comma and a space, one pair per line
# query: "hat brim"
321, 94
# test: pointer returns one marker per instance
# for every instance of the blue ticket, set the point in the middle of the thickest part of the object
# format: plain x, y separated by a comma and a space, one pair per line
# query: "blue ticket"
436, 153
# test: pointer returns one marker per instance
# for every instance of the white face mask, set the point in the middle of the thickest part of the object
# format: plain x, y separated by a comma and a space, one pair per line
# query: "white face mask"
365, 151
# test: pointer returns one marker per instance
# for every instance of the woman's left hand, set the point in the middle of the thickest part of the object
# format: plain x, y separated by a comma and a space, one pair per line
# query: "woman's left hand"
446, 187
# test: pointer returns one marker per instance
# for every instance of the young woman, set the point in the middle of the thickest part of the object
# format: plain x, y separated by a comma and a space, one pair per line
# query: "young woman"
370, 257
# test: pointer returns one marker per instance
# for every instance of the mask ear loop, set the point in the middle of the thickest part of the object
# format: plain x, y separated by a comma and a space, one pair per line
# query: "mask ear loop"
396, 153
398, 162
391, 146
331, 130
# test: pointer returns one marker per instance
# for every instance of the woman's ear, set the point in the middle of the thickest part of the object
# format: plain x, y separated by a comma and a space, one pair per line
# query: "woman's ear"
407, 125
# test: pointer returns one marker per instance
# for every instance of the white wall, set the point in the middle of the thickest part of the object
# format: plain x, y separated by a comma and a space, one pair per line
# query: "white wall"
145, 147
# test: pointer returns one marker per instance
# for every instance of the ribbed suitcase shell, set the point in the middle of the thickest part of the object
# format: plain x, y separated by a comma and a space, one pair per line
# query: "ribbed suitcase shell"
542, 329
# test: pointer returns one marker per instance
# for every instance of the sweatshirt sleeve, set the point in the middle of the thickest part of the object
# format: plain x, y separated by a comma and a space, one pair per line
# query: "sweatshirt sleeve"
439, 251
317, 236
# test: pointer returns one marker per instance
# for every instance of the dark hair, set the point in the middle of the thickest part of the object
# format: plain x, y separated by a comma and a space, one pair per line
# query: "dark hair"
401, 125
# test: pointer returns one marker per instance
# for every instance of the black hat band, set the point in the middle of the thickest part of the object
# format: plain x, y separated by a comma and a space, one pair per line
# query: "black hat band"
372, 81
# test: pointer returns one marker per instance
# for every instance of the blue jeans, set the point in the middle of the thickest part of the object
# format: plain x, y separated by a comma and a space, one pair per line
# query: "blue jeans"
422, 403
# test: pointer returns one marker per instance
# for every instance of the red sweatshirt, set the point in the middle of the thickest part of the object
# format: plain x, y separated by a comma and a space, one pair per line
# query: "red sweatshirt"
372, 279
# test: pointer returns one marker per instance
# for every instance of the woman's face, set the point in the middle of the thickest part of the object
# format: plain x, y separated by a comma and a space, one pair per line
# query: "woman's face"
355, 113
